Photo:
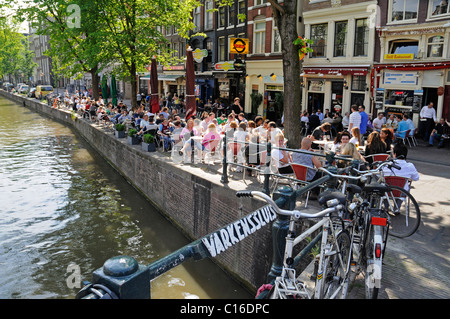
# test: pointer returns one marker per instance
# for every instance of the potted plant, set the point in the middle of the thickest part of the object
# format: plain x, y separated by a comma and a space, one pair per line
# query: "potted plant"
119, 130
133, 138
148, 143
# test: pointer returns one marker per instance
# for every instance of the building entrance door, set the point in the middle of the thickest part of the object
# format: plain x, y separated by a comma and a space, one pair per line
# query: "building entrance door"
315, 102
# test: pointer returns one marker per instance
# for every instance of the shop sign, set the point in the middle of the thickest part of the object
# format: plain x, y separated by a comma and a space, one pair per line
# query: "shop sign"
274, 88
199, 54
401, 78
224, 66
404, 56
239, 46
316, 86
173, 68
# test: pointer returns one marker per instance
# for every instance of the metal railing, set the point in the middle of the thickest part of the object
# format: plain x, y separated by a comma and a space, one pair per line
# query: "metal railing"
122, 277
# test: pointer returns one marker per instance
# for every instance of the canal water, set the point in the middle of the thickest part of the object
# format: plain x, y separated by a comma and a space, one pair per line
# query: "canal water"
61, 204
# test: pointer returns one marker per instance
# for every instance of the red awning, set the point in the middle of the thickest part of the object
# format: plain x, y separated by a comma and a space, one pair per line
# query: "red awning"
413, 66
337, 70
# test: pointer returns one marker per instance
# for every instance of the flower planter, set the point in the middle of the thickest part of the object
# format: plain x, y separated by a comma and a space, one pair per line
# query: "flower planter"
119, 134
148, 147
133, 140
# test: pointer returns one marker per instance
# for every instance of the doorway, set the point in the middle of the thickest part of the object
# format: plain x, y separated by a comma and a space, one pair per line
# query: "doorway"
315, 102
430, 95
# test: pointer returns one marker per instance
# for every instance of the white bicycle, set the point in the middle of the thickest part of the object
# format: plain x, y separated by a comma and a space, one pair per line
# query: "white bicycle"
334, 258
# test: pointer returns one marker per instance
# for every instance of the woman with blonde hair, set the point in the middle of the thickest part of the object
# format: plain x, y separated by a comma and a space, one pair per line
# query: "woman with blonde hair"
350, 151
281, 157
356, 139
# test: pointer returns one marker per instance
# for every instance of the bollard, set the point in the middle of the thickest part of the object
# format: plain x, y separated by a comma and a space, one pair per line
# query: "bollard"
224, 179
267, 174
280, 230
125, 277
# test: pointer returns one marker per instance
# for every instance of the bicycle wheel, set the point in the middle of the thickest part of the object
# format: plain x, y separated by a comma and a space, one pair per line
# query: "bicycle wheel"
404, 212
335, 270
371, 279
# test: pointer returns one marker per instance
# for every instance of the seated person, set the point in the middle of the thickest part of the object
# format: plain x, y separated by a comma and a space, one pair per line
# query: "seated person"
375, 145
440, 129
307, 160
318, 134
351, 152
341, 139
282, 158
402, 127
408, 170
164, 133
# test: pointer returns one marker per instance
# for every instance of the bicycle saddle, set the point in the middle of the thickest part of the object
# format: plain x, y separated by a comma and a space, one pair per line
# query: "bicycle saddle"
375, 188
327, 195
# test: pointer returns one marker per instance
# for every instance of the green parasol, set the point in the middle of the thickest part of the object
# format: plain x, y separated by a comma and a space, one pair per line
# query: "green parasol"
113, 90
104, 89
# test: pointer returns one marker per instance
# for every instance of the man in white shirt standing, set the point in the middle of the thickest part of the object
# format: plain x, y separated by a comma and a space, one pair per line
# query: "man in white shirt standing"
354, 118
429, 114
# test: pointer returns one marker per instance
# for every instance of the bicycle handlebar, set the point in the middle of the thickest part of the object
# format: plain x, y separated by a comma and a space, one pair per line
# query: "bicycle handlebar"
292, 213
362, 174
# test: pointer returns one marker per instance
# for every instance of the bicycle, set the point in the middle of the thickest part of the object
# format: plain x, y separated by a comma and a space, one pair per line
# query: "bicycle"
370, 222
333, 262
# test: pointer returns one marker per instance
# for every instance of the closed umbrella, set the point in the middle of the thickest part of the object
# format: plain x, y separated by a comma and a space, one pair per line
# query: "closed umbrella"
104, 89
154, 97
113, 90
190, 84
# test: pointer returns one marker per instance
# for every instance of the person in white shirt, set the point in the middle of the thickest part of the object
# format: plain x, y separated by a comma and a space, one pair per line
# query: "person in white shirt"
407, 170
272, 131
345, 121
428, 113
354, 118
282, 158
379, 122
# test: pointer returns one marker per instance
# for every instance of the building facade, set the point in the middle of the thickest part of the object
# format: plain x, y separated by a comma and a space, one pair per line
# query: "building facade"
337, 73
412, 57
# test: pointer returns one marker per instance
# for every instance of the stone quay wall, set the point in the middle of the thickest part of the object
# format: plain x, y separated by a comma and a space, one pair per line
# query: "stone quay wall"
194, 200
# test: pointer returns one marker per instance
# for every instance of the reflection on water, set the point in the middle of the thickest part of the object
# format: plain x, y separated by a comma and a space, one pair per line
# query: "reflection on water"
61, 204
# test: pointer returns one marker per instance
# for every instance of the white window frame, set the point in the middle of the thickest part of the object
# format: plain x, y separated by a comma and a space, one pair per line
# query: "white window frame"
441, 43
390, 17
274, 33
438, 16
219, 47
196, 19
262, 37
209, 15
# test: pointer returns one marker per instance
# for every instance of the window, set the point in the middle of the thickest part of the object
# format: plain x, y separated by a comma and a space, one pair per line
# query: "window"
209, 14
358, 83
439, 7
231, 15
435, 46
404, 47
229, 42
260, 2
221, 20
340, 38
361, 37
276, 41
259, 37
196, 19
319, 37
222, 49
404, 9
242, 10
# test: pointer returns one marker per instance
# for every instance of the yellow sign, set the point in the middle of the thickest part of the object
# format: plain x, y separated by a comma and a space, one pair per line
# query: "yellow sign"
239, 46
405, 56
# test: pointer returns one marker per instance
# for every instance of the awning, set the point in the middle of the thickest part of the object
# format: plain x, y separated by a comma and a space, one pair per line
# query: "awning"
413, 66
162, 77
169, 77
337, 70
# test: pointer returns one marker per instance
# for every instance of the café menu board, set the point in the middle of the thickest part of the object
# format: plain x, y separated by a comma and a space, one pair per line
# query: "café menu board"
379, 98
417, 102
